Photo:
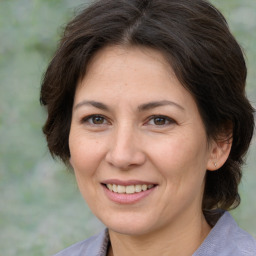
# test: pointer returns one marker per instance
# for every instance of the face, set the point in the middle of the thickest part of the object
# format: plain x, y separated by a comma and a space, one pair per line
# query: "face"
138, 145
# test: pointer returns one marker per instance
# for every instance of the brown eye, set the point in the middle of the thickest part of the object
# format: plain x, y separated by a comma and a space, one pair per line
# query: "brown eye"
95, 120
98, 120
159, 121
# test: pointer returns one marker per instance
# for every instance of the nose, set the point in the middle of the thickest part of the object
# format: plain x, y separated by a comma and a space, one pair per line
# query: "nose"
125, 149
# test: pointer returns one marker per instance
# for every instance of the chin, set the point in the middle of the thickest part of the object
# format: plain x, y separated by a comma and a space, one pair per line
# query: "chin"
127, 225
129, 230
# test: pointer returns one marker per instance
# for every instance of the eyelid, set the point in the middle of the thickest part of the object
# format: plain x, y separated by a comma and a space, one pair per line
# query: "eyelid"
86, 118
167, 118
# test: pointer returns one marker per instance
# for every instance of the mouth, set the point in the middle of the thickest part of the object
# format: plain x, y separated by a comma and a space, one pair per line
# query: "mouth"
127, 192
130, 189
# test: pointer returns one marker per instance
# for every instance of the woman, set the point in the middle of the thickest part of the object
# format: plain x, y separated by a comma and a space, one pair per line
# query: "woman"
146, 102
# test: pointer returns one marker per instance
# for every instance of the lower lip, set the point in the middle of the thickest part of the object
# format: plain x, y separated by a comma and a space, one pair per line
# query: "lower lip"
127, 198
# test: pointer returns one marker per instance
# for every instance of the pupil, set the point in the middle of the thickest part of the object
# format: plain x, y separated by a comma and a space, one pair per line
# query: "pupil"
159, 121
97, 120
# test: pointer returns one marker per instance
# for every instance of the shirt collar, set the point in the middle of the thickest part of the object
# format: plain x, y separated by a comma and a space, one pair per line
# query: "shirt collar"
222, 240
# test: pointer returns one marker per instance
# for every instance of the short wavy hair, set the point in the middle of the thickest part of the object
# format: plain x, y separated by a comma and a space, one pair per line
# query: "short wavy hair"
195, 39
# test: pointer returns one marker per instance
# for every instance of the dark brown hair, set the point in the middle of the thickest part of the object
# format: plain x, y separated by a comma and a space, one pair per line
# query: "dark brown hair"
195, 39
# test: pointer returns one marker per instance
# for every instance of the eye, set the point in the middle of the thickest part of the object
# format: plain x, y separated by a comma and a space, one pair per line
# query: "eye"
160, 120
95, 120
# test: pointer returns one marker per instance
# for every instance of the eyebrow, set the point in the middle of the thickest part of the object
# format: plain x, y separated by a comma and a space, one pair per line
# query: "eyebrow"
155, 104
141, 108
91, 103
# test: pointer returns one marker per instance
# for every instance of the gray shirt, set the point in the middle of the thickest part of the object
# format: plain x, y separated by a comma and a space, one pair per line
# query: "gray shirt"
225, 239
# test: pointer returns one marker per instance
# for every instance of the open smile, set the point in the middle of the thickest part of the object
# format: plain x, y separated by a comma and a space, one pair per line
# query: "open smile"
130, 189
127, 192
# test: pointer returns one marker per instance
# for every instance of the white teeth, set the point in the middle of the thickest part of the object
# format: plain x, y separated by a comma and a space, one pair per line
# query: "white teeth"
131, 189
144, 187
137, 188
110, 187
114, 188
120, 189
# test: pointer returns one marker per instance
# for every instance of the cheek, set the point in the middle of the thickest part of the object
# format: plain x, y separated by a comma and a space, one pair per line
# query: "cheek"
176, 151
85, 154
85, 159
182, 161
183, 175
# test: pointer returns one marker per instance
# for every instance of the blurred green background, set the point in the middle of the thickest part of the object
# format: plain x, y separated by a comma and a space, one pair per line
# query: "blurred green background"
41, 210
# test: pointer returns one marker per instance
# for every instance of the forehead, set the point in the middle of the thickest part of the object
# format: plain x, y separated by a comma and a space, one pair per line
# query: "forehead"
113, 62
141, 74
132, 58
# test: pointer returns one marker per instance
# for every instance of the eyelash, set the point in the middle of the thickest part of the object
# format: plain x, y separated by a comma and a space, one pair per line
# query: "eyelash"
167, 120
87, 119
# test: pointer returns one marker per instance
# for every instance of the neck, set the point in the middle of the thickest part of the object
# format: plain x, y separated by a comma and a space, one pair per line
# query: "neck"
182, 240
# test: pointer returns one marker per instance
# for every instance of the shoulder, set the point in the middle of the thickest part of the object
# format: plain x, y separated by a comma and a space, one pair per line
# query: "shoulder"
77, 249
95, 245
227, 239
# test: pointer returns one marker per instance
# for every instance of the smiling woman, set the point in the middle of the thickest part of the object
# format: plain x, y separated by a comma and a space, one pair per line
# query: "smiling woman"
148, 137
146, 103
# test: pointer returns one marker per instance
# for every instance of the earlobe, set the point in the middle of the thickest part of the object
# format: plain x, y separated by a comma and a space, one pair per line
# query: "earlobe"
219, 153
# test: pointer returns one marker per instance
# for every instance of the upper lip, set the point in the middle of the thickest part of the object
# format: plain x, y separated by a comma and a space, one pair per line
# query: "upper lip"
127, 182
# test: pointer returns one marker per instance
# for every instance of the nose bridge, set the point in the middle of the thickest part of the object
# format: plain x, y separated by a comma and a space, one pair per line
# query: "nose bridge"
124, 148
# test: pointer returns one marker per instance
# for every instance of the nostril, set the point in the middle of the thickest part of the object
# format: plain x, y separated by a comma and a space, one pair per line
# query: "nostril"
125, 159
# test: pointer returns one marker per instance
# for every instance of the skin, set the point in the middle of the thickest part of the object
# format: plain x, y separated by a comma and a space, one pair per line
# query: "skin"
127, 142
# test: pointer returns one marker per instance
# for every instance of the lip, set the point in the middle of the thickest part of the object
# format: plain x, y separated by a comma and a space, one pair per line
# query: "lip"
127, 198
127, 182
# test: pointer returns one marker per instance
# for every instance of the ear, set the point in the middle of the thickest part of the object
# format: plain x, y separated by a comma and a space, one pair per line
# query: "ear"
219, 152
